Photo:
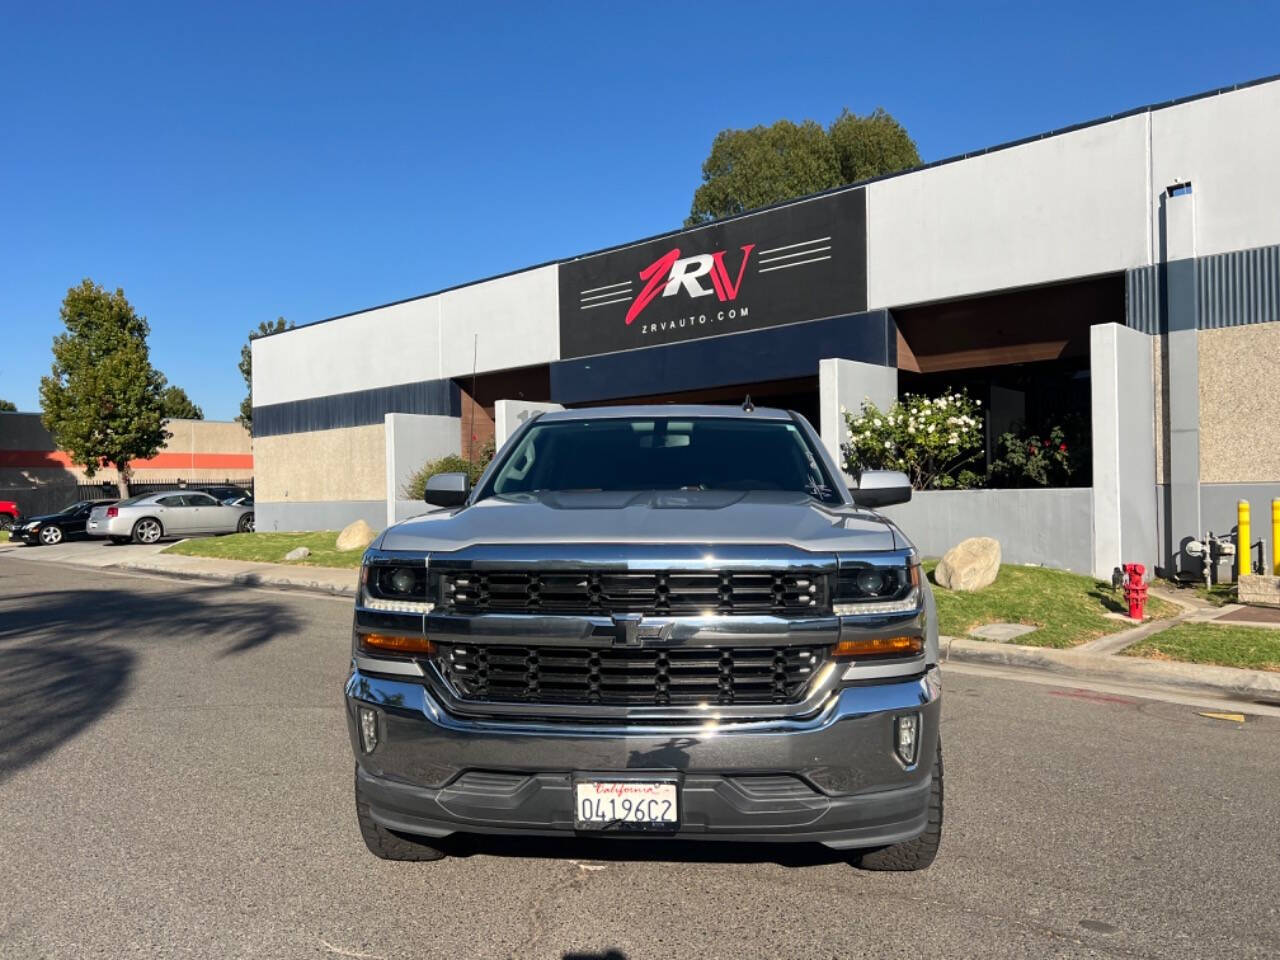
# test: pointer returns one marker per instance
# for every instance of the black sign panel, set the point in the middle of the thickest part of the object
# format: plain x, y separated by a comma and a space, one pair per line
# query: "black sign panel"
804, 261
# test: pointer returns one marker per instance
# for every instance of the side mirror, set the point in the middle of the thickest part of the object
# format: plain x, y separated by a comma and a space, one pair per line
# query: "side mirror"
447, 489
881, 488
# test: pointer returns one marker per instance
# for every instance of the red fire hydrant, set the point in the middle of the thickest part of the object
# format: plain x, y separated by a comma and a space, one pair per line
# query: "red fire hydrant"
1135, 591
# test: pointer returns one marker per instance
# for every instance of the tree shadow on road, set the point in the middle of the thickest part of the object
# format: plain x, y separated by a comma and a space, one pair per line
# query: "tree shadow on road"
182, 615
50, 692
67, 657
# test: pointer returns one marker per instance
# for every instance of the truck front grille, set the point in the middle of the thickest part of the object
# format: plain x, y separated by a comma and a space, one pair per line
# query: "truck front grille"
629, 676
785, 593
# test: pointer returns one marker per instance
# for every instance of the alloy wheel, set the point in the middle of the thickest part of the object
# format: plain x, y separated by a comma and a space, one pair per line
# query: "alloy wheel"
50, 536
148, 531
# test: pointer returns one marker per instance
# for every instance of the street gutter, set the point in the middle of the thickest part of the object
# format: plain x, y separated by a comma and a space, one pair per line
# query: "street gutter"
1234, 682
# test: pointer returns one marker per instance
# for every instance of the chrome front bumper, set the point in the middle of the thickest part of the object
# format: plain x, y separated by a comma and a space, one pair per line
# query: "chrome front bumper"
849, 789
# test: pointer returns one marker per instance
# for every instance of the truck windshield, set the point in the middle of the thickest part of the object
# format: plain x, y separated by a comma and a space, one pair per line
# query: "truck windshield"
660, 453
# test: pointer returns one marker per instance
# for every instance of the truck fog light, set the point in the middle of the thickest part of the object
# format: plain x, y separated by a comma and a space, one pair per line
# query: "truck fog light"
368, 729
906, 735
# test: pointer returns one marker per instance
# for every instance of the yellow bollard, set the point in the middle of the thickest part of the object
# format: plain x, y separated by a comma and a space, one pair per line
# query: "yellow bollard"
1275, 537
1244, 556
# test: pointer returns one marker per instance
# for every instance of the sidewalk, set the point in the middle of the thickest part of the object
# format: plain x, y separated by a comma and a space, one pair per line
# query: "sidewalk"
1101, 659
331, 580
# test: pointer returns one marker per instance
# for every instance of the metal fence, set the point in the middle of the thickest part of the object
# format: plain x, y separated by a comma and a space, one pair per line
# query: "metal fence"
108, 488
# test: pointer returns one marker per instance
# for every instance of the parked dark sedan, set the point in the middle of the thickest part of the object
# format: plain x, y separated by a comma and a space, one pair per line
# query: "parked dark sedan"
56, 527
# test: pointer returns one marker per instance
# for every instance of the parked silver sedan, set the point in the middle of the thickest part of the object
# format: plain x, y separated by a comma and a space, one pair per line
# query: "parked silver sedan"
169, 513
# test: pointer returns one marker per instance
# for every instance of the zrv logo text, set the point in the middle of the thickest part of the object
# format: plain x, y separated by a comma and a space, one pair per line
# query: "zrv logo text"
669, 273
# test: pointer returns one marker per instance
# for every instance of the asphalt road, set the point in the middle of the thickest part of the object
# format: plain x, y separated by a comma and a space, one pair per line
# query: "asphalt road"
175, 781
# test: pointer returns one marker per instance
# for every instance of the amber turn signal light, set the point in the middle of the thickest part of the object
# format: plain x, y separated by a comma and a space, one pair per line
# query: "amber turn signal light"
391, 643
879, 647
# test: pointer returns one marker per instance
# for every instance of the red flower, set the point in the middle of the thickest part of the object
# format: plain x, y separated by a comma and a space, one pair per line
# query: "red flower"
1062, 447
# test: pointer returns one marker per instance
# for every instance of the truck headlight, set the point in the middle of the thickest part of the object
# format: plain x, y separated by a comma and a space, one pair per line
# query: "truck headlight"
395, 588
866, 589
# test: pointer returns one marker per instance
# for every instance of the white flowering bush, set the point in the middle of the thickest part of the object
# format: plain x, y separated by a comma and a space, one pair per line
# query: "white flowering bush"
936, 441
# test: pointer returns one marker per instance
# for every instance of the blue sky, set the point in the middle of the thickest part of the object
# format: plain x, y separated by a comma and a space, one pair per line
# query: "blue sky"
227, 163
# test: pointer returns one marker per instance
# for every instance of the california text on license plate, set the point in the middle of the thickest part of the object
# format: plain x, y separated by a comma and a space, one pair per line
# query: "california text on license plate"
625, 805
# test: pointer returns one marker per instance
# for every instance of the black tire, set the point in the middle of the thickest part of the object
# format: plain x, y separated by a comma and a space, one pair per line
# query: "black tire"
387, 844
246, 524
51, 535
143, 531
919, 852
119, 541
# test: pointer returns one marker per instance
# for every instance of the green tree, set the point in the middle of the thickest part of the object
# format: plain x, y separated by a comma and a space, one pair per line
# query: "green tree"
246, 366
178, 406
871, 146
102, 400
8, 406
753, 168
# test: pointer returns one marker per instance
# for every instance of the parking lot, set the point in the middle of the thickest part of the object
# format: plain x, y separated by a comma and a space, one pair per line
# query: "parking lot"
90, 551
175, 780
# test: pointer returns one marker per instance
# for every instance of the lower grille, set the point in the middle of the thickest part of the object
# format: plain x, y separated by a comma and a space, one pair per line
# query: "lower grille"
628, 676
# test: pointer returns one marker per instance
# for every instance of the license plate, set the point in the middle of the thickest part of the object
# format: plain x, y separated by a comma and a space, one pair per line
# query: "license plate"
625, 805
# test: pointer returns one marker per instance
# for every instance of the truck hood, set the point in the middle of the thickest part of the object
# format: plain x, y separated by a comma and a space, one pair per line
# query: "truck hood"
710, 516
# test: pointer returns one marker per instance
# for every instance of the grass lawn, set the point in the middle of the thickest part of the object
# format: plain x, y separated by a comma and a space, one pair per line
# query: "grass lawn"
1067, 608
1254, 647
1219, 594
271, 548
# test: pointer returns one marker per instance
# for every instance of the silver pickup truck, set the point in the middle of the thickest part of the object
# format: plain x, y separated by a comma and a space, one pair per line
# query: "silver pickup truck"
663, 621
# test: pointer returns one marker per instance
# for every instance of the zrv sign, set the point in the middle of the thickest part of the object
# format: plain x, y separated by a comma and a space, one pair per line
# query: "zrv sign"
805, 261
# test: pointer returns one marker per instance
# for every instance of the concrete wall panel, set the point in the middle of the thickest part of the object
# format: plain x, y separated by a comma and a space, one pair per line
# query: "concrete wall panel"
412, 441
319, 515
1066, 206
843, 385
1123, 412
512, 321
1229, 152
1240, 404
1052, 528
377, 348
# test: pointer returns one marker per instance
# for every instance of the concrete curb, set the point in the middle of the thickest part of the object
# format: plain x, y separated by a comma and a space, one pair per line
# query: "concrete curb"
250, 575
1231, 682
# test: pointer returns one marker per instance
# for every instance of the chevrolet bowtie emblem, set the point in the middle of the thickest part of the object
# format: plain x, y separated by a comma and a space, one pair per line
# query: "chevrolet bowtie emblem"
627, 627
630, 630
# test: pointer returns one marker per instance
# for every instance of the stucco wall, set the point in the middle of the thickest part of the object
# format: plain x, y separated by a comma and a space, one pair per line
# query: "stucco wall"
1160, 397
1240, 404
323, 465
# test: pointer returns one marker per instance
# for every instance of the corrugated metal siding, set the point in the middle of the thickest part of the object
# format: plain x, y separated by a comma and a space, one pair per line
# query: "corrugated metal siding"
1239, 288
1143, 307
1232, 289
357, 409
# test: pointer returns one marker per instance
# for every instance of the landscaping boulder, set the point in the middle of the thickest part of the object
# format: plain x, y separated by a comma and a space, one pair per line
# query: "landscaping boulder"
356, 536
970, 565
298, 553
